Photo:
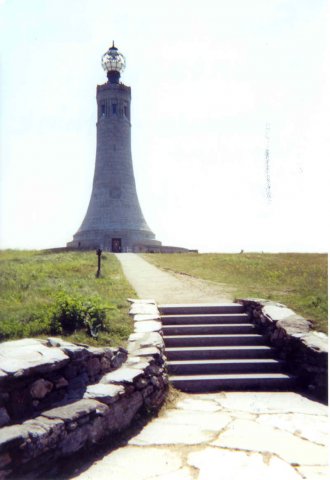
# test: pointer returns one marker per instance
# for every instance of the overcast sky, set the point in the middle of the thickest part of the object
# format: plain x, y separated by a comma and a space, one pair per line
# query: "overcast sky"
206, 77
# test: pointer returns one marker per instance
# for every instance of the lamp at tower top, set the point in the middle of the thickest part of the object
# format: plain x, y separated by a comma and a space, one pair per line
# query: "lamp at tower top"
113, 63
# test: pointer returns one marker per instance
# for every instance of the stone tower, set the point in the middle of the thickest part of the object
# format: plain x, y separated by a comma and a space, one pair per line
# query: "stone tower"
114, 219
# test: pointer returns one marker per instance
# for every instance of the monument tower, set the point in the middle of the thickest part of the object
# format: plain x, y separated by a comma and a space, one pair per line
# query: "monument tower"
114, 219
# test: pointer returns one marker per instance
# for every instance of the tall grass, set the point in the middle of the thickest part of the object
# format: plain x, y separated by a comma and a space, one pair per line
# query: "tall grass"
298, 280
30, 282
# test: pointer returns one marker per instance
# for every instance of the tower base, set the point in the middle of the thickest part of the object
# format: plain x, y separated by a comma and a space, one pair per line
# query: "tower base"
115, 241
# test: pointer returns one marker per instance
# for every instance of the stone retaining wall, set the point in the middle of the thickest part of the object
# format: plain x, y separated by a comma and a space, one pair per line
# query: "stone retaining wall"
36, 374
305, 351
105, 400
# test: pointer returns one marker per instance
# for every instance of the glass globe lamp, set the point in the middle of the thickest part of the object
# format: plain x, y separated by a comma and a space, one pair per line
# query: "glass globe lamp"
113, 62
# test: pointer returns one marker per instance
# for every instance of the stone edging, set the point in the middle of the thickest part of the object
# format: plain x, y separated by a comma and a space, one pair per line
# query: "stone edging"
107, 407
304, 350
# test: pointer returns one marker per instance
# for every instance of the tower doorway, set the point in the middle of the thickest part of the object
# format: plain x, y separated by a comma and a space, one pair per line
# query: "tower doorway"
116, 245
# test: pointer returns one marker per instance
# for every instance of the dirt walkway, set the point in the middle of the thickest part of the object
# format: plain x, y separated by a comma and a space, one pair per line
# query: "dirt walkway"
150, 282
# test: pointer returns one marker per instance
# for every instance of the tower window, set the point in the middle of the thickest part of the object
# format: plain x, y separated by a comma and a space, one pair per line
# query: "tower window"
125, 111
103, 109
114, 108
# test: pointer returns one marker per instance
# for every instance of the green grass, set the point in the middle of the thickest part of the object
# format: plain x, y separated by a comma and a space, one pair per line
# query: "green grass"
298, 280
30, 281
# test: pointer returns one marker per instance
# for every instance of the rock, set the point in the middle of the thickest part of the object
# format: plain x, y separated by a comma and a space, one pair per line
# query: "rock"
165, 433
76, 410
270, 402
79, 382
143, 309
197, 405
12, 436
75, 352
5, 459
249, 435
44, 435
104, 393
310, 427
156, 382
148, 326
40, 388
141, 383
294, 325
232, 464
142, 300
149, 352
316, 341
61, 382
4, 417
30, 356
55, 342
147, 391
143, 318
109, 352
122, 375
74, 441
276, 313
316, 472
137, 362
125, 409
142, 340
20, 403
105, 364
93, 366
119, 358
135, 463
96, 351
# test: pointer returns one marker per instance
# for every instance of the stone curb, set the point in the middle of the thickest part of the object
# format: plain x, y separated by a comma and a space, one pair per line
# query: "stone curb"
107, 406
304, 350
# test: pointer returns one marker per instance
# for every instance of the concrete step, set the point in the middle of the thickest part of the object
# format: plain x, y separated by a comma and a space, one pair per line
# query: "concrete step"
208, 329
207, 383
200, 308
225, 352
212, 340
207, 318
190, 367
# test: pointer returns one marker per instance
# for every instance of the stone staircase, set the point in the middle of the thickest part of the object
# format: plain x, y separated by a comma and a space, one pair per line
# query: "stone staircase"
216, 347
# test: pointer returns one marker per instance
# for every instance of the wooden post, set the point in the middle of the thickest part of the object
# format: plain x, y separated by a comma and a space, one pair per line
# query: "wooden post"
98, 253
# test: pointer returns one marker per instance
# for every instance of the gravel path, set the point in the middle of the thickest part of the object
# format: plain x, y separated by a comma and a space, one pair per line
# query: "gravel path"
150, 282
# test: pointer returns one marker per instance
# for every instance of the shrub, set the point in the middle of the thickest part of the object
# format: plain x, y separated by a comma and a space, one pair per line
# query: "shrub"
72, 313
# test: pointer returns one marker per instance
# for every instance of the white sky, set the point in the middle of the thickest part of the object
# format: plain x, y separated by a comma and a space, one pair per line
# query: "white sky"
206, 77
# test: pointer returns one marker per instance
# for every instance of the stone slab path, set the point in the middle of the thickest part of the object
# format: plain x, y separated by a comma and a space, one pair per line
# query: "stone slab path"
150, 282
225, 435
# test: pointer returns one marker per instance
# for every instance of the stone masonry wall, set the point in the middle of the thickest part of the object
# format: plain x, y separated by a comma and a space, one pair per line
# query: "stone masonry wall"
113, 386
305, 351
36, 374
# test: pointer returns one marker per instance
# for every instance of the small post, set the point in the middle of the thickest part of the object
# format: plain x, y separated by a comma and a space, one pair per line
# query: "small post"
98, 253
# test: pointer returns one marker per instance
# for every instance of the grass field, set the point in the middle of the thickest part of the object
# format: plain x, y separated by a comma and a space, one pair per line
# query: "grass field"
31, 281
297, 280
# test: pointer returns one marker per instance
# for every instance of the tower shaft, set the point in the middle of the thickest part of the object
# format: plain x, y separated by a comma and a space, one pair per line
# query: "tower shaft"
114, 219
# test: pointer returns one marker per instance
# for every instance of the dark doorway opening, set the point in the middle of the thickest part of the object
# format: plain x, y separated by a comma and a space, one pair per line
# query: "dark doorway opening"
116, 245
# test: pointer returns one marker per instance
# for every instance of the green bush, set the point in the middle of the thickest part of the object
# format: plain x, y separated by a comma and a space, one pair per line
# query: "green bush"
72, 313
